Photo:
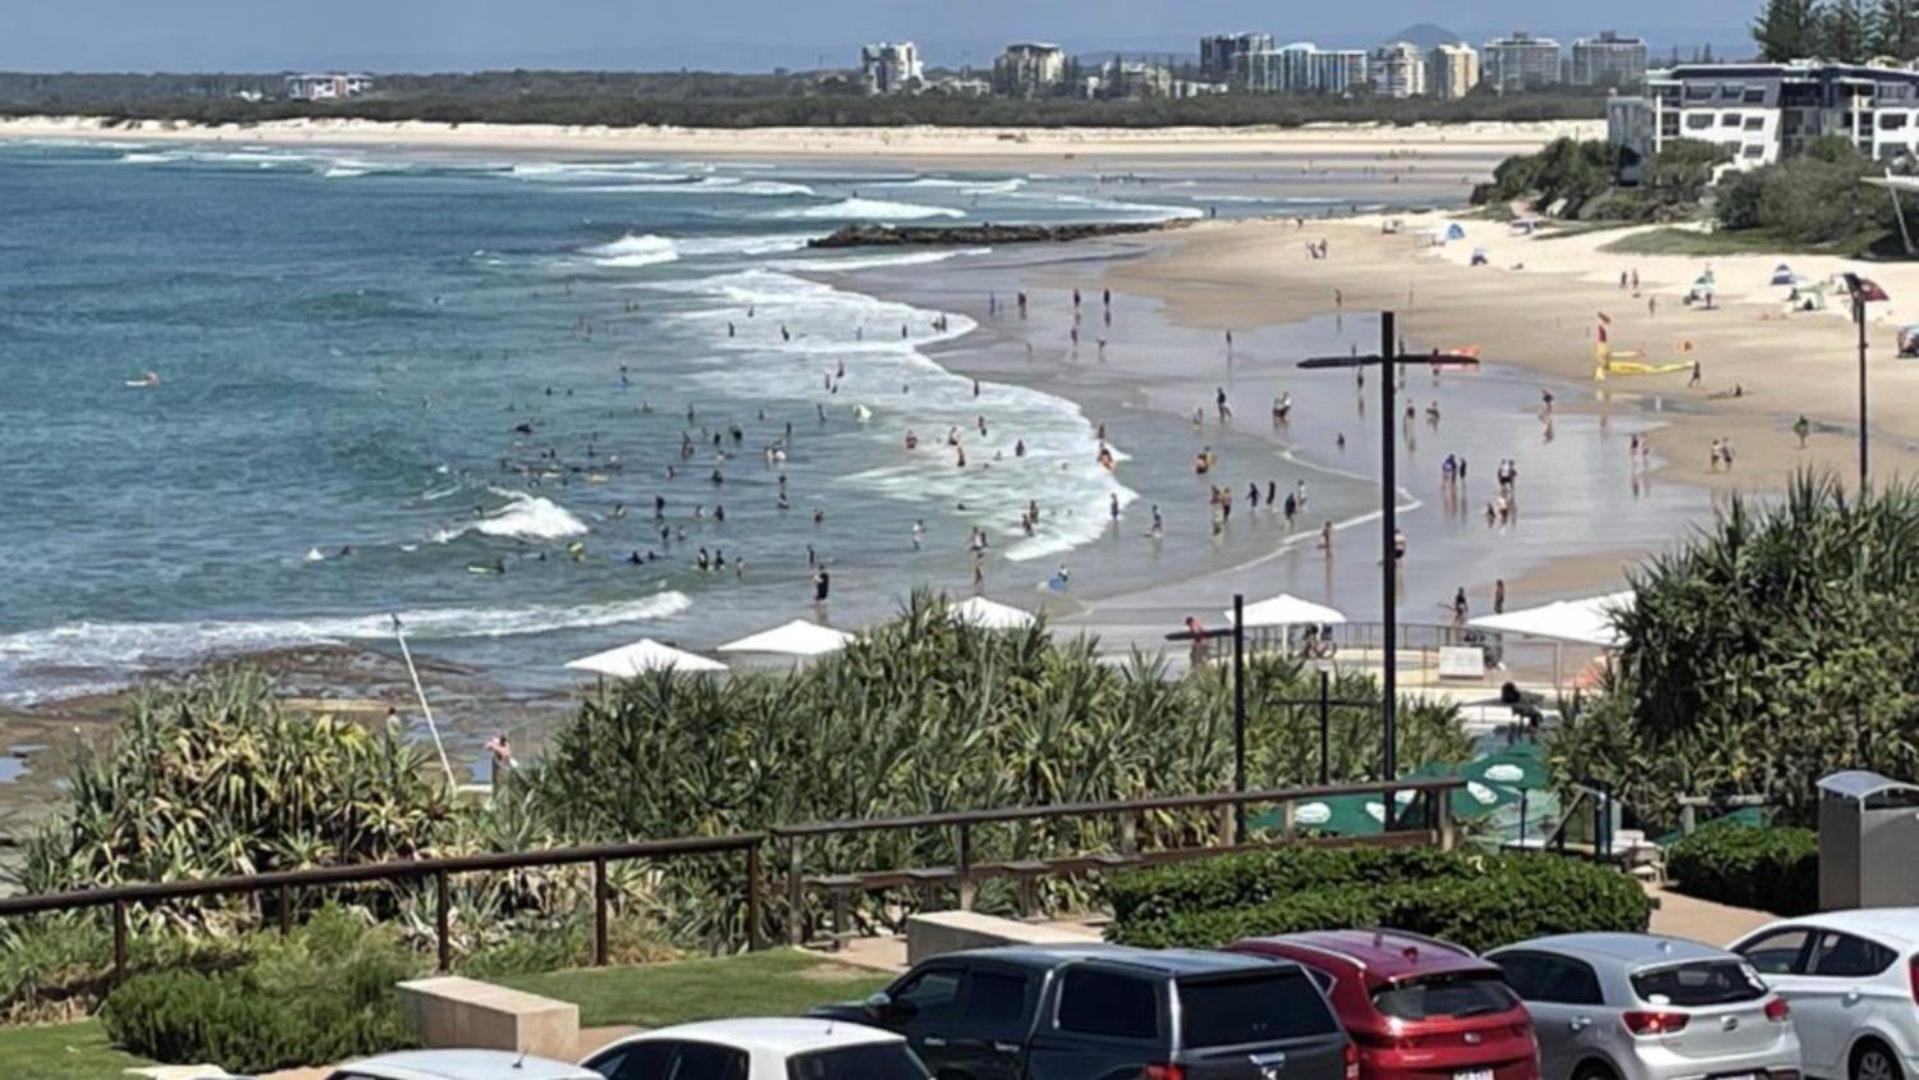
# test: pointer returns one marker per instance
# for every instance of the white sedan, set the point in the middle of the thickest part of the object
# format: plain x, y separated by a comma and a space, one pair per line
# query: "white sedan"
459, 1065
1852, 979
798, 1049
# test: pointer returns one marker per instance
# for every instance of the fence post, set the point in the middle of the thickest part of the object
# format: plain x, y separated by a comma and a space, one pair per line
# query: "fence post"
1443, 818
754, 939
442, 915
1128, 834
965, 866
119, 942
286, 910
599, 912
795, 894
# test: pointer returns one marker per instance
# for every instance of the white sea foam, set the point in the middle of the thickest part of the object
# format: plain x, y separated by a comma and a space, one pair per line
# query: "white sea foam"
524, 517
860, 209
873, 262
648, 249
127, 646
964, 187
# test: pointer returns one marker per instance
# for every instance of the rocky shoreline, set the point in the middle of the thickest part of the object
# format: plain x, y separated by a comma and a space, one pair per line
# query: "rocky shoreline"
933, 235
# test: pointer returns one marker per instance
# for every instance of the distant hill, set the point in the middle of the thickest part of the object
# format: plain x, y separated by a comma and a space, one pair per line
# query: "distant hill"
1425, 35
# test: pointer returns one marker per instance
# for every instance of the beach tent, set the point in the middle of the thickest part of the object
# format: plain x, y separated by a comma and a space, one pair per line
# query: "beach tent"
644, 655
1287, 610
1783, 276
1454, 231
1583, 622
797, 638
988, 615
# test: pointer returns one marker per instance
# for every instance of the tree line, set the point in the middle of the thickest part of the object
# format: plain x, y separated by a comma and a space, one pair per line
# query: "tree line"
1848, 31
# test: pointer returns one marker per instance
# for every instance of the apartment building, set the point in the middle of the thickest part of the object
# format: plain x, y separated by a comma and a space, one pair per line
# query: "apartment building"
1452, 71
1223, 57
891, 68
1398, 70
1029, 69
1608, 60
1520, 62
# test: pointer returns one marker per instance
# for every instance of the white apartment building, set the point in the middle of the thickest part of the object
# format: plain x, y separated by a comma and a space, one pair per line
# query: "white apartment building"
1766, 112
327, 86
1029, 69
1398, 70
1223, 57
891, 68
1452, 71
1608, 60
1305, 68
1520, 62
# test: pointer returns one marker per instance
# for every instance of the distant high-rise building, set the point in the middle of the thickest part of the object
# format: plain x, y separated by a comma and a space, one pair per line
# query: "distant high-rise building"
1452, 71
1609, 60
891, 68
1029, 69
1520, 62
1223, 57
1305, 68
1398, 70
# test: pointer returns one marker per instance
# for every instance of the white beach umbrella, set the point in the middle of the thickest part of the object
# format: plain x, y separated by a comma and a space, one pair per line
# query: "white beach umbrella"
1586, 622
643, 656
797, 638
988, 615
1287, 610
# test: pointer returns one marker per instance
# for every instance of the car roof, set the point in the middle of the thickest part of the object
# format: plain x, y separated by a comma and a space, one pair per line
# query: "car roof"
1896, 926
1384, 954
1174, 963
780, 1036
465, 1065
1632, 950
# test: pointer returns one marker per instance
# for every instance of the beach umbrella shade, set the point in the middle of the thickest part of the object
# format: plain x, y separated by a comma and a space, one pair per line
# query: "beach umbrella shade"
988, 615
1287, 610
1586, 622
797, 638
644, 655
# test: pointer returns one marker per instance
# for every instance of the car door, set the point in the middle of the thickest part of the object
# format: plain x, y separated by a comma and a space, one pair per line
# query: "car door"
926, 1008
1563, 996
1839, 981
1782, 958
989, 1043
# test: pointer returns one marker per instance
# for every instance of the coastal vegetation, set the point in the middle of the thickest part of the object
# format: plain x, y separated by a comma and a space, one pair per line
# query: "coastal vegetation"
1779, 646
711, 100
1850, 31
1772, 869
1476, 900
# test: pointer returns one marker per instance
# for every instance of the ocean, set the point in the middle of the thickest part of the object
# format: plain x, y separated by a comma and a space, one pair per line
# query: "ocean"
257, 398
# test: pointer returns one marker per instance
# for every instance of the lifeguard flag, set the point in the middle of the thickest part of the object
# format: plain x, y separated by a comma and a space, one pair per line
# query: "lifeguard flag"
1865, 289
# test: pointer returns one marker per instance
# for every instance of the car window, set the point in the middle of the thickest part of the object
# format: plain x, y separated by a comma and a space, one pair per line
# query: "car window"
996, 1001
1095, 1002
1261, 1008
1551, 979
1698, 984
1323, 980
1448, 995
874, 1061
650, 1060
1777, 953
1846, 956
930, 995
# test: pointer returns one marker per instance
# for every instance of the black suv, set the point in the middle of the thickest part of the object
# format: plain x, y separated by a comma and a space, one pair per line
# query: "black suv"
1106, 1012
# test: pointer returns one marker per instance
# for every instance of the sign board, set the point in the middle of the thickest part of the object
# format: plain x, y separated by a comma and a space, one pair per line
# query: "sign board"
1462, 662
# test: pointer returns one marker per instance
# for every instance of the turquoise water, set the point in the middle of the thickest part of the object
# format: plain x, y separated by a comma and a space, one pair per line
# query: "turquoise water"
449, 389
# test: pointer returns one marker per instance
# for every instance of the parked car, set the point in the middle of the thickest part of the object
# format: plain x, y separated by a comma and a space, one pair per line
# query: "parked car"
1106, 1012
1852, 978
773, 1049
460, 1065
1416, 1007
1643, 1007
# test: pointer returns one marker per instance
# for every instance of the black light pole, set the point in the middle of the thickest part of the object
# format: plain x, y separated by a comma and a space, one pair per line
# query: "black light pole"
1239, 715
1863, 292
1388, 361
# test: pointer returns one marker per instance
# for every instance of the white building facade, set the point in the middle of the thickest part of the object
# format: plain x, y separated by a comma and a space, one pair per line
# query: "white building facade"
892, 68
327, 86
1452, 71
1029, 69
1520, 62
1305, 68
1398, 70
1608, 60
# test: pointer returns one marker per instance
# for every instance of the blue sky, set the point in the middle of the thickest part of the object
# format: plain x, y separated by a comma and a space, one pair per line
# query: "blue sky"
746, 35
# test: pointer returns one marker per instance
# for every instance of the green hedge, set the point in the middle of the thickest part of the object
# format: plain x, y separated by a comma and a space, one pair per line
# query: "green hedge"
1478, 901
325, 994
1772, 869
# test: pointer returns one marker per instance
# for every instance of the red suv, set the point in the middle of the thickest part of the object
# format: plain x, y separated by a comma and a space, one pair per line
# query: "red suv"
1416, 1007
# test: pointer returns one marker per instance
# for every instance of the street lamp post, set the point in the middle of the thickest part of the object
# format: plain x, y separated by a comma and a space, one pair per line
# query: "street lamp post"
1863, 291
1388, 360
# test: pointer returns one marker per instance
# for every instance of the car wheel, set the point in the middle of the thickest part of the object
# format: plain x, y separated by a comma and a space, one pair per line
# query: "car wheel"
1873, 1061
1593, 1070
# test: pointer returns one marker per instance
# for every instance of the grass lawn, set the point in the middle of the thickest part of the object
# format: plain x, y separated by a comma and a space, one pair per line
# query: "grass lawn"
779, 982
1741, 242
76, 1051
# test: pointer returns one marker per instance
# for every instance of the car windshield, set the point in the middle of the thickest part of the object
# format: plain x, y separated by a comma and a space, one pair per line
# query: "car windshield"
1473, 994
1259, 1008
1700, 983
874, 1061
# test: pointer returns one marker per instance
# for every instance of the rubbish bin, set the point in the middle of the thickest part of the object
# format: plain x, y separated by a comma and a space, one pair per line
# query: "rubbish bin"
1868, 841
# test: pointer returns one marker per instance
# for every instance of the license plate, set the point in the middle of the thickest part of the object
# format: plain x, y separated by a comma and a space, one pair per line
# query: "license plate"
1473, 1074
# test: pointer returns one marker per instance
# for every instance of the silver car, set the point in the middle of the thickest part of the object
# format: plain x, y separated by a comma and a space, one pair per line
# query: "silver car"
1640, 1007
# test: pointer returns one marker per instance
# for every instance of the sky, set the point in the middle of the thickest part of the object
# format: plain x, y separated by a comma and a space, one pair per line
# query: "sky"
744, 35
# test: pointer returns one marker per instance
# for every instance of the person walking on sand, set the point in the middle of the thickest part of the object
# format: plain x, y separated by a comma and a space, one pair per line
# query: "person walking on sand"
1158, 527
1698, 372
1459, 602
1499, 597
1219, 401
1802, 427
1326, 538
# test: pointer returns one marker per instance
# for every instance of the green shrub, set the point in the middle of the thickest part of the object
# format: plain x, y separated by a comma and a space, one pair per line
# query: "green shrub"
1774, 869
1478, 901
324, 994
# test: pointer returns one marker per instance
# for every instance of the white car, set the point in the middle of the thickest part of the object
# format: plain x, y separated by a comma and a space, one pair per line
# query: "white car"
1852, 979
798, 1049
460, 1065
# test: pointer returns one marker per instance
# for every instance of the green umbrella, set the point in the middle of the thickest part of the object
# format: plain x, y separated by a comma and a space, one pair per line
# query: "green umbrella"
1476, 799
1340, 815
1520, 766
